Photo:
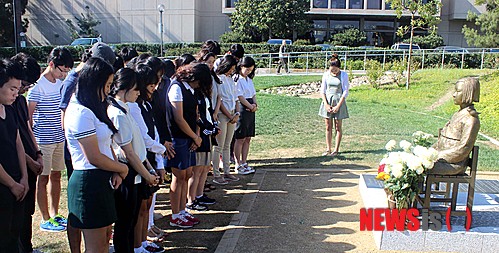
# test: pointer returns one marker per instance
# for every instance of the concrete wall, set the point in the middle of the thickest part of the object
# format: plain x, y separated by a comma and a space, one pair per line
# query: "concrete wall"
128, 20
453, 16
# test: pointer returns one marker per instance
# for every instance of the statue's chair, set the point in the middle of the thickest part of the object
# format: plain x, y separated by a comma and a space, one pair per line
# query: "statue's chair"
434, 193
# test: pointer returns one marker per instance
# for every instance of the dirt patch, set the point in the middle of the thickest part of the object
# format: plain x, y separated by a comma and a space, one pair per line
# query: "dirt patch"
441, 100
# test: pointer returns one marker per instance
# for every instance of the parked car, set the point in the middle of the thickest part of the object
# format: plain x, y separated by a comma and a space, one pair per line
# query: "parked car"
86, 41
279, 41
324, 47
451, 49
405, 46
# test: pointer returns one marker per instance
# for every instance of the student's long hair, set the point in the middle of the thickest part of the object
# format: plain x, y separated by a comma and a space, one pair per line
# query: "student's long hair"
183, 60
90, 88
246, 62
196, 71
227, 62
145, 76
124, 79
209, 46
205, 58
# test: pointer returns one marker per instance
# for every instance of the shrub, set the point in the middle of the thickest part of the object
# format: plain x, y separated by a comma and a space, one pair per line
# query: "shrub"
350, 37
374, 71
427, 41
301, 42
234, 37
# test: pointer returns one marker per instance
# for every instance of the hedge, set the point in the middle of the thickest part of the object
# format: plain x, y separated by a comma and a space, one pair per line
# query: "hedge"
40, 53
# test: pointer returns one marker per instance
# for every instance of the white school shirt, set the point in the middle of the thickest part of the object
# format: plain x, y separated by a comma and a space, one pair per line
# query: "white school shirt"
81, 122
175, 93
151, 144
245, 87
227, 91
128, 132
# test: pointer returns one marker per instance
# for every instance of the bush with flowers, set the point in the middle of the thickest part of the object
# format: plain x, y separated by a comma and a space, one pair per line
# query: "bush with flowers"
403, 170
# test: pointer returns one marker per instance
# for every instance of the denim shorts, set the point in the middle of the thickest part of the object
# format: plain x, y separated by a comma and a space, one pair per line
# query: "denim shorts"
184, 157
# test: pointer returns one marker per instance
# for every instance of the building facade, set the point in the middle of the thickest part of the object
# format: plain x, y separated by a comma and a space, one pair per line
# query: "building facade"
125, 21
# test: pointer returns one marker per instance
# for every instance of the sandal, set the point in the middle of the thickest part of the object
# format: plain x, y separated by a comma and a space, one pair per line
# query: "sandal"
230, 177
326, 153
154, 236
335, 153
219, 180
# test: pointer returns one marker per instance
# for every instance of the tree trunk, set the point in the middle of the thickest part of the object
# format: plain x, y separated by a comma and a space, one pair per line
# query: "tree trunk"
408, 80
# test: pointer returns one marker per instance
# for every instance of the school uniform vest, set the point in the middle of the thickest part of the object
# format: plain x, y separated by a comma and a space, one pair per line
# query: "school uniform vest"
189, 105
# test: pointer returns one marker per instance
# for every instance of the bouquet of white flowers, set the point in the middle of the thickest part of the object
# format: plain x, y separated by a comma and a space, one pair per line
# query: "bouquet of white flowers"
403, 171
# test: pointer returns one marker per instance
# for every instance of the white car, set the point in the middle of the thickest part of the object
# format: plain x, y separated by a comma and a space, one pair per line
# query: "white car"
405, 46
86, 41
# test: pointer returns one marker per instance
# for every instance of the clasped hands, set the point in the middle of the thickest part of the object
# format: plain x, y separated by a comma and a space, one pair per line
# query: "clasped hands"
333, 109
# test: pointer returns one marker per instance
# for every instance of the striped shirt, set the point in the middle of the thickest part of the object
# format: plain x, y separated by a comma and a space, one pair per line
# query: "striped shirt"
47, 126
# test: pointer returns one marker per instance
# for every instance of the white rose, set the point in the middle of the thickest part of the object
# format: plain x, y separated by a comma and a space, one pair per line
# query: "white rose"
388, 168
405, 145
415, 164
428, 164
397, 170
432, 154
419, 151
419, 170
390, 146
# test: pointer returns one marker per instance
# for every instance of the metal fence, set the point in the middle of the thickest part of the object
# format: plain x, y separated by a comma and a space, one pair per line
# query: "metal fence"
476, 58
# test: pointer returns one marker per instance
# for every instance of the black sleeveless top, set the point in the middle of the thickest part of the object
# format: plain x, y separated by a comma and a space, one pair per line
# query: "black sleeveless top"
189, 106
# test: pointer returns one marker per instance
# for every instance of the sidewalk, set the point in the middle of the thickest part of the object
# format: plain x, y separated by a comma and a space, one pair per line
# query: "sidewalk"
299, 210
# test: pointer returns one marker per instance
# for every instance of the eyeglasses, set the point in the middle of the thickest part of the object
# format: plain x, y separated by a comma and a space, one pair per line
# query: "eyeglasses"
63, 71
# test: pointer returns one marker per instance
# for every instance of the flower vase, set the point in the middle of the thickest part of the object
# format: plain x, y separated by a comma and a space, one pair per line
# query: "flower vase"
390, 199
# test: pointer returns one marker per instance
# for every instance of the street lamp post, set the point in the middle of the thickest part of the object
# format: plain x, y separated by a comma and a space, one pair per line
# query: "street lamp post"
161, 9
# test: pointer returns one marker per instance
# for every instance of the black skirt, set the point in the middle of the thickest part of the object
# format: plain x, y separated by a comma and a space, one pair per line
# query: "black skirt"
246, 124
91, 199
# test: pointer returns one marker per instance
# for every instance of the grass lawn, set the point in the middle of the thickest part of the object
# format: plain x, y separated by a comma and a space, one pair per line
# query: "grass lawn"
291, 134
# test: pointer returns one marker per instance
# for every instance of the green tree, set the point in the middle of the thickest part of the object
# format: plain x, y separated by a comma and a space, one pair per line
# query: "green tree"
271, 18
428, 41
485, 33
350, 37
234, 37
7, 21
423, 16
86, 24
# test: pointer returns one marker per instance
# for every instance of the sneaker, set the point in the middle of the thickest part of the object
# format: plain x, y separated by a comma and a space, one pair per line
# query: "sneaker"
230, 177
61, 220
190, 217
196, 206
51, 226
204, 200
152, 247
248, 168
241, 170
181, 222
219, 180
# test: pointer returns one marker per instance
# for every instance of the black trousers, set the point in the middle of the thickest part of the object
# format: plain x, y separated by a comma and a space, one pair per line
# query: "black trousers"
29, 210
283, 63
11, 221
127, 209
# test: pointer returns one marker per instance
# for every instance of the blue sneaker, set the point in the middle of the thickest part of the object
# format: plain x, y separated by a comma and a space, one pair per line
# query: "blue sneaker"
52, 226
61, 220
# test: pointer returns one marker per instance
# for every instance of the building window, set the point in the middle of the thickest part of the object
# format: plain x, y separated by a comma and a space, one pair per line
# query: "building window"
379, 25
320, 24
374, 4
320, 36
340, 25
230, 3
320, 3
338, 4
356, 4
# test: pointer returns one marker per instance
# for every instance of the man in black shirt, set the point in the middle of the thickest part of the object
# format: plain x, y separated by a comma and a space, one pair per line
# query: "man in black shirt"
33, 156
13, 174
